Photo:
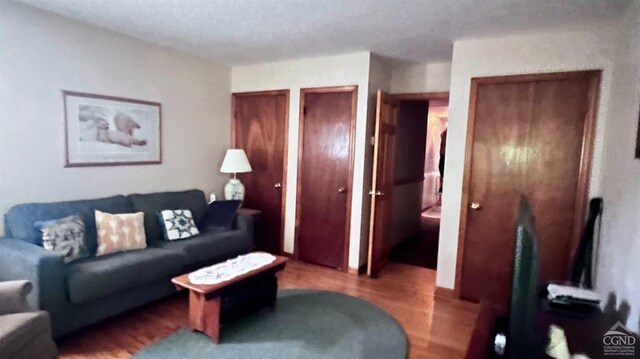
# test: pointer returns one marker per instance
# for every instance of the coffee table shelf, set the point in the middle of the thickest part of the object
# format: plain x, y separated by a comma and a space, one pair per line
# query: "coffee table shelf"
205, 300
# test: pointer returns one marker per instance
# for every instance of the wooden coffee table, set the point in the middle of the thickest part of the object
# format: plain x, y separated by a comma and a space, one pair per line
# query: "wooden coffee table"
204, 300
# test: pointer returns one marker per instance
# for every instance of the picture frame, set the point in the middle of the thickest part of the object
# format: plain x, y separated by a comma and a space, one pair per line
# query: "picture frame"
638, 138
111, 131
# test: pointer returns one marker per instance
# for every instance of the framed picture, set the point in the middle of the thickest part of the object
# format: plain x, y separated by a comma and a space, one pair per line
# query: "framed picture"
110, 131
638, 138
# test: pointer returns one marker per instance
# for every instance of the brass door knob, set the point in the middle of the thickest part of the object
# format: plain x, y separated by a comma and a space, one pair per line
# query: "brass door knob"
342, 190
277, 185
474, 206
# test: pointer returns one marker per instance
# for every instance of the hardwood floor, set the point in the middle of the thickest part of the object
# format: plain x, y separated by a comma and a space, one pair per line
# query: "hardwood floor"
437, 327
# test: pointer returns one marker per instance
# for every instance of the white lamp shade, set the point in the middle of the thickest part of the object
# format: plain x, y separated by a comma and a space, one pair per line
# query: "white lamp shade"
235, 161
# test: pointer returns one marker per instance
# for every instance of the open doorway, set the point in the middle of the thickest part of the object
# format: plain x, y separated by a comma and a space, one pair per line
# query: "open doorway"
419, 177
435, 144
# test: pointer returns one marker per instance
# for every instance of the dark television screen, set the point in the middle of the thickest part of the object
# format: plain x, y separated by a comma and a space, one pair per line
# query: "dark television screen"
523, 340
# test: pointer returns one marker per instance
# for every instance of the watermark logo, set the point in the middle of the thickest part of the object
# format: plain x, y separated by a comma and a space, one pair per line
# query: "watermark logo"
619, 341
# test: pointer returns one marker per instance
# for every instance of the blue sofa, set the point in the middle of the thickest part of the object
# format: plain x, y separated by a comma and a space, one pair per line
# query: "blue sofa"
89, 290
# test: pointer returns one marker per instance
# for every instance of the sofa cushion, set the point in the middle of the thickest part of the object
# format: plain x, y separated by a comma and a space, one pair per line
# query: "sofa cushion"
152, 203
211, 246
19, 330
20, 220
100, 276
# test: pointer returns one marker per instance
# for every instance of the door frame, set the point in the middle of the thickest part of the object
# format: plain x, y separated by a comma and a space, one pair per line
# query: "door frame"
427, 96
586, 157
353, 89
285, 149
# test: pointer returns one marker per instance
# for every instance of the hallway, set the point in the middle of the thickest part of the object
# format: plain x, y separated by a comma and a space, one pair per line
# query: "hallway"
422, 249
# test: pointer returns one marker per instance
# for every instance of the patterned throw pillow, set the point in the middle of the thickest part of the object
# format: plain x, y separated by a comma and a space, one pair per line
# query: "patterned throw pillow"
177, 224
120, 232
65, 237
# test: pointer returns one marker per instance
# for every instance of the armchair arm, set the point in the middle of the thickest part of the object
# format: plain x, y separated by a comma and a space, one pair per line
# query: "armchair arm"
45, 270
13, 296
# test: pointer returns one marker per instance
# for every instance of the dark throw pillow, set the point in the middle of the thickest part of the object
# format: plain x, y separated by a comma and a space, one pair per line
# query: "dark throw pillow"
220, 214
177, 224
65, 237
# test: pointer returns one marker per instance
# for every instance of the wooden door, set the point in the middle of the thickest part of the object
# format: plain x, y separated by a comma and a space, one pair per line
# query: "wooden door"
382, 182
528, 135
324, 175
260, 128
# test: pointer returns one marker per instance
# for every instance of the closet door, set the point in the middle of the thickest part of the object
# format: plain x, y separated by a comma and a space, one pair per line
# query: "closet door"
260, 128
529, 135
325, 175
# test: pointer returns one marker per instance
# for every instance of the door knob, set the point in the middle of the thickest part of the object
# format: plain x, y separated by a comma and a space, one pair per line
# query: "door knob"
277, 185
342, 190
474, 206
376, 193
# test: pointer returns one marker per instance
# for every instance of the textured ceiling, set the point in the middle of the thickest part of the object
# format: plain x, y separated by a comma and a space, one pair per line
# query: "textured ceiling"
250, 31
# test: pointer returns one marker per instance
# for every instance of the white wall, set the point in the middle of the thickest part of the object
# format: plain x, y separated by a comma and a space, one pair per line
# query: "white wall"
42, 54
351, 69
579, 48
430, 77
618, 265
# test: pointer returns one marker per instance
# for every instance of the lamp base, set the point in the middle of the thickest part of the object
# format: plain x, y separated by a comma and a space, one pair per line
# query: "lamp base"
234, 190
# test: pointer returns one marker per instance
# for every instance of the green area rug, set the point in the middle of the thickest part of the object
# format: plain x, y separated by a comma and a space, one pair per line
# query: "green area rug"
305, 324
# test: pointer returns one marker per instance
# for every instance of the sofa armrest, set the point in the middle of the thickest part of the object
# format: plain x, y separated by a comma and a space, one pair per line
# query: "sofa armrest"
45, 270
246, 222
13, 296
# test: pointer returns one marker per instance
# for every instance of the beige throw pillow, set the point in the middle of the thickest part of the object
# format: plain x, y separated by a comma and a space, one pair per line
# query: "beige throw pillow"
120, 232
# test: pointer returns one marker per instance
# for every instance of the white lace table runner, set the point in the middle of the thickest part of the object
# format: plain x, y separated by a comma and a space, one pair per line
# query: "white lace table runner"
230, 269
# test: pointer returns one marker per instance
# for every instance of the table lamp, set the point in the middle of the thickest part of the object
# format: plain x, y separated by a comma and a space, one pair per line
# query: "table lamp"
235, 161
